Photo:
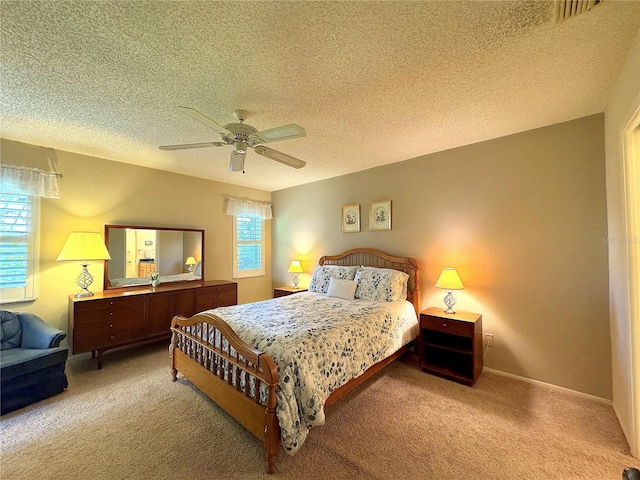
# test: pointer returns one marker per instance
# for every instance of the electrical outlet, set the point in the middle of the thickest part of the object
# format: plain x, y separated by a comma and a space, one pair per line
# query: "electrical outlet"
488, 339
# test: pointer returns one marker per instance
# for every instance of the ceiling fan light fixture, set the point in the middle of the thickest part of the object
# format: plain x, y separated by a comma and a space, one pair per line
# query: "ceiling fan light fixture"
240, 147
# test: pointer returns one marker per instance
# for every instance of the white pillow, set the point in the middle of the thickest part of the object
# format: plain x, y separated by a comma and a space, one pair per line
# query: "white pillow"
322, 274
381, 284
342, 288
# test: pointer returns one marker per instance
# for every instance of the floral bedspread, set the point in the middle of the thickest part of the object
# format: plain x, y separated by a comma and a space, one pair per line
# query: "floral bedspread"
318, 343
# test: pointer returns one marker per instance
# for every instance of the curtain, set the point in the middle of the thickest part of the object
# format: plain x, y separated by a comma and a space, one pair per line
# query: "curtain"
28, 181
248, 208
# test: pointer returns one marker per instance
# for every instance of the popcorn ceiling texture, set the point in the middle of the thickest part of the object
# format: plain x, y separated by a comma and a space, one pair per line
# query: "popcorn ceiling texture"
371, 82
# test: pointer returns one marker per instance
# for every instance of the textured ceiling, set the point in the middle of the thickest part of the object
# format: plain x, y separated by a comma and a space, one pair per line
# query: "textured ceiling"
371, 82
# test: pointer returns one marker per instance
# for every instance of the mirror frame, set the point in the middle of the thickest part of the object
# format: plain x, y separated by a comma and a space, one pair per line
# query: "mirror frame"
106, 284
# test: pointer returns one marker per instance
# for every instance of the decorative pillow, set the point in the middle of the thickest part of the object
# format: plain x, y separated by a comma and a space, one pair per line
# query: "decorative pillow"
322, 274
381, 284
342, 288
11, 330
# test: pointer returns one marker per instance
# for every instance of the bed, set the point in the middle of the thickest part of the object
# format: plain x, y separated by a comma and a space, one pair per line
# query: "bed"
254, 360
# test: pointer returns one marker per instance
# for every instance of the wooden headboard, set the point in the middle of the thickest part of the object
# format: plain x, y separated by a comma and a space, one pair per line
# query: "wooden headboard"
370, 257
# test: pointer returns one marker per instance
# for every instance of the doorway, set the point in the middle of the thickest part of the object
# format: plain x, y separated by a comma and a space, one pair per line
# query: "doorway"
632, 224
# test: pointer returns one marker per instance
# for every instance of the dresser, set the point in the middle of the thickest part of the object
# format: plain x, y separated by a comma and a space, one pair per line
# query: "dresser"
115, 318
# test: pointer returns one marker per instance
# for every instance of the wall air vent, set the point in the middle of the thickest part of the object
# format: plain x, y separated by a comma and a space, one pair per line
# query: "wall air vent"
570, 8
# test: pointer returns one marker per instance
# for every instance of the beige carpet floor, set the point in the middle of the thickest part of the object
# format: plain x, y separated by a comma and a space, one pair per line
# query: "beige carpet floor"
129, 421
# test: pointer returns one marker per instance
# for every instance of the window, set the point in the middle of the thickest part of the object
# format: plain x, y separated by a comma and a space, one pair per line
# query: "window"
248, 246
19, 222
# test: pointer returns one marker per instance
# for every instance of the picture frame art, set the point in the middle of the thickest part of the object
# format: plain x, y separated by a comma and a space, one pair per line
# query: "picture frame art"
351, 218
380, 215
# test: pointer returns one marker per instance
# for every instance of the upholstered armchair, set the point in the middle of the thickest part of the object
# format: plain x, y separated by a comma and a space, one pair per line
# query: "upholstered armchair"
32, 363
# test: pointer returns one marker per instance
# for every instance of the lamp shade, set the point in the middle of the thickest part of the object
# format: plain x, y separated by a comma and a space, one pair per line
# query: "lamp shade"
449, 280
84, 246
190, 261
295, 267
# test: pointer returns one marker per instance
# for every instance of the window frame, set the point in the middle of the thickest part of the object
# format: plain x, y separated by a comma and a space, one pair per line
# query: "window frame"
30, 291
257, 272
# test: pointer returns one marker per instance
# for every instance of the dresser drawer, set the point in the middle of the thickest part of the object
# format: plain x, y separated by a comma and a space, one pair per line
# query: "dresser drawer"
216, 289
105, 303
133, 314
216, 296
454, 327
112, 325
107, 339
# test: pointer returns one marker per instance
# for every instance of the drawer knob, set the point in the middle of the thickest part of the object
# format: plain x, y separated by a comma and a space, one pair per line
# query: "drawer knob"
111, 325
111, 302
444, 324
112, 337
111, 314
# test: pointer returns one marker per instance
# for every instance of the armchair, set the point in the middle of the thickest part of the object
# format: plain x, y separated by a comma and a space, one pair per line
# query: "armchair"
32, 362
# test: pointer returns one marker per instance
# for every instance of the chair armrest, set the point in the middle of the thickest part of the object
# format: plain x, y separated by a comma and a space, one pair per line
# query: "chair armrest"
36, 333
631, 474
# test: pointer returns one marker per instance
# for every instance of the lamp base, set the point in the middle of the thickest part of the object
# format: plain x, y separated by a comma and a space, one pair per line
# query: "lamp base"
449, 301
83, 281
295, 280
84, 293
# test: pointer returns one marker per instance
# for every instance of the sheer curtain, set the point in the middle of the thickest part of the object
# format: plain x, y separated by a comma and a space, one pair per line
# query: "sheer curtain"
28, 181
249, 208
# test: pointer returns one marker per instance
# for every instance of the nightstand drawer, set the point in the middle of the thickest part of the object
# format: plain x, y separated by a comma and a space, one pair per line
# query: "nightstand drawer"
454, 327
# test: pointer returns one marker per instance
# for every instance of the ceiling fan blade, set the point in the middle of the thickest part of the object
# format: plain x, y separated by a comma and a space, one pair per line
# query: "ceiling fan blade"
192, 145
236, 163
284, 132
279, 156
203, 119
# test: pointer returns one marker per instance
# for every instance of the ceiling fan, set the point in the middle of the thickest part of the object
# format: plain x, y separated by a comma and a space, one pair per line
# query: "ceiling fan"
242, 136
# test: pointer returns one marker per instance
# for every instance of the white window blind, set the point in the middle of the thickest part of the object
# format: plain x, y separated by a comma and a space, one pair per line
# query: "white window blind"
19, 221
248, 239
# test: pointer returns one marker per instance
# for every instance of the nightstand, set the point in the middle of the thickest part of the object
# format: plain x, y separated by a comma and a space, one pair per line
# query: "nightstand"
286, 290
451, 344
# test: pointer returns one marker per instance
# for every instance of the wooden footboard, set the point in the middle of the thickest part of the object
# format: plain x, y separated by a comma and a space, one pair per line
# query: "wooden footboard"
212, 356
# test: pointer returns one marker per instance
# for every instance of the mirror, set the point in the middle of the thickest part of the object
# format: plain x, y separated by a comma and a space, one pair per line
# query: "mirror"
175, 254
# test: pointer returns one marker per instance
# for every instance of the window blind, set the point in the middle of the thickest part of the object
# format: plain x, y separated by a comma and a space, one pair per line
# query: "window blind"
15, 228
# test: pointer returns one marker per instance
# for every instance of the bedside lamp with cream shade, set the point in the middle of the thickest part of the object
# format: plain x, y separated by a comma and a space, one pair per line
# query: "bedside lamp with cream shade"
84, 246
191, 262
449, 280
295, 268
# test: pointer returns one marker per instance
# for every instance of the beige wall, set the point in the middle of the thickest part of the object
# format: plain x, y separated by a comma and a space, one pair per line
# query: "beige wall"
95, 192
623, 104
522, 218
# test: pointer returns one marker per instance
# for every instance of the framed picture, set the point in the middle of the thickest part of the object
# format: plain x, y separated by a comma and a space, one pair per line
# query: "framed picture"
380, 215
351, 218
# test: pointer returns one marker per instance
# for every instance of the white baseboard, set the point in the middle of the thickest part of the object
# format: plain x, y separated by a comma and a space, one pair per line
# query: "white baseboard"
550, 385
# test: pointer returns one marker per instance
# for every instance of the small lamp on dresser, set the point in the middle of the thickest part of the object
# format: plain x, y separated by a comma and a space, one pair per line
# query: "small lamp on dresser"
82, 247
191, 263
449, 280
295, 268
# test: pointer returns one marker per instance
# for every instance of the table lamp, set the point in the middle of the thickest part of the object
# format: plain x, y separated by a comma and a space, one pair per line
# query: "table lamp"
84, 246
295, 268
191, 262
449, 280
